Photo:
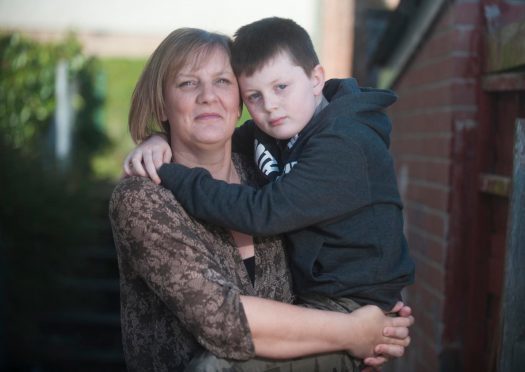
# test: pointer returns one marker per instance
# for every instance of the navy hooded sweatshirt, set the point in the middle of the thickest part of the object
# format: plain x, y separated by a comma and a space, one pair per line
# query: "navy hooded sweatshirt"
333, 194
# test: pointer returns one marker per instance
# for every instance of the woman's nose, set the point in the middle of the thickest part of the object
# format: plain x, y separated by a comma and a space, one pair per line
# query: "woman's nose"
207, 93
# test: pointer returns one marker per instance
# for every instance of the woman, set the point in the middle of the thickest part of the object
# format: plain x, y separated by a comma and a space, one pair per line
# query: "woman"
188, 286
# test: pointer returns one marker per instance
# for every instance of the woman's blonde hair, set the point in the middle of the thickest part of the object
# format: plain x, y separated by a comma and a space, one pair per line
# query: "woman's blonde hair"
182, 46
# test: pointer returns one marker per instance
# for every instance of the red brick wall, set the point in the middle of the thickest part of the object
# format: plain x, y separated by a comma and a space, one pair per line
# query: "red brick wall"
433, 122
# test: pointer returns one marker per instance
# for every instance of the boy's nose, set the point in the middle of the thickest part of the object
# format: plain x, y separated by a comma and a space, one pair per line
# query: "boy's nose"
270, 103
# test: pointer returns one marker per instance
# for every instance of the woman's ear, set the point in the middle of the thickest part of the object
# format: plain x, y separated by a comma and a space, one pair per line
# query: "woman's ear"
317, 78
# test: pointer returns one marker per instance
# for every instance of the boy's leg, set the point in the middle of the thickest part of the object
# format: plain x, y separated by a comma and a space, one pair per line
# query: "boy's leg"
315, 301
333, 362
341, 305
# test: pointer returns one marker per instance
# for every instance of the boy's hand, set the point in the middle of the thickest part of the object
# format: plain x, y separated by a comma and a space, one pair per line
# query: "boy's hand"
146, 158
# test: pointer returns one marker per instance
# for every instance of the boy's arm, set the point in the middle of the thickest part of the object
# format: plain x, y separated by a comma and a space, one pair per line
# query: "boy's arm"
330, 180
243, 138
147, 157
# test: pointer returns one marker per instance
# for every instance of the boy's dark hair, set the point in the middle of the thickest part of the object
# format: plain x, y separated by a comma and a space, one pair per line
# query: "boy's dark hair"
258, 42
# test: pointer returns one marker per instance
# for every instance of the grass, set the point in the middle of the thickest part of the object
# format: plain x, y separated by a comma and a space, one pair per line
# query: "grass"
121, 77
244, 116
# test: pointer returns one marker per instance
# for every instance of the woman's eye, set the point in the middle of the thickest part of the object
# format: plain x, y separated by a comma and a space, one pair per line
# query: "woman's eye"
282, 86
224, 81
188, 83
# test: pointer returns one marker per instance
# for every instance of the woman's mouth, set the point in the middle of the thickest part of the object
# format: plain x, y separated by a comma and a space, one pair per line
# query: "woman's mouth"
208, 116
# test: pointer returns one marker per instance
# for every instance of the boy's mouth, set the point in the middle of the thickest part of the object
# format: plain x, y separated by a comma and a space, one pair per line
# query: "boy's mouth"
277, 121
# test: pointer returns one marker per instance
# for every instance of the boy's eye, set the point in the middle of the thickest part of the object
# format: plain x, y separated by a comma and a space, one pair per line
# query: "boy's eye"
254, 97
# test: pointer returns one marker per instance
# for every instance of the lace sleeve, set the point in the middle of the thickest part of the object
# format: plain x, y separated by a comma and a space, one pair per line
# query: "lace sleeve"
162, 244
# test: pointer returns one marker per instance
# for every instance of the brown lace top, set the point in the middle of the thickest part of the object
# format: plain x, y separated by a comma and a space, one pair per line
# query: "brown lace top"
180, 280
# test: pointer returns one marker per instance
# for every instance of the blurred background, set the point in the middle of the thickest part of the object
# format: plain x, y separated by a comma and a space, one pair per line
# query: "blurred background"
67, 71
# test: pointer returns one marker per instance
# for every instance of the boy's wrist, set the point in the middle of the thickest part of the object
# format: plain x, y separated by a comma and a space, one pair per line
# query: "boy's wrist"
163, 135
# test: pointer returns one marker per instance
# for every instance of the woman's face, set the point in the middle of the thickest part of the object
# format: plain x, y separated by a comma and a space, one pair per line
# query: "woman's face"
202, 103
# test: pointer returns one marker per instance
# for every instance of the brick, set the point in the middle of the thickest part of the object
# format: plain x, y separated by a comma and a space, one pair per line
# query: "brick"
446, 20
432, 223
421, 121
437, 46
465, 93
436, 70
424, 170
429, 272
442, 94
436, 145
430, 327
432, 196
428, 358
432, 299
424, 365
448, 42
467, 13
451, 66
511, 11
412, 111
426, 354
426, 245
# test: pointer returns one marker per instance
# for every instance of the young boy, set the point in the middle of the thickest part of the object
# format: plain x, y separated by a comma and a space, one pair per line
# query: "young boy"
324, 149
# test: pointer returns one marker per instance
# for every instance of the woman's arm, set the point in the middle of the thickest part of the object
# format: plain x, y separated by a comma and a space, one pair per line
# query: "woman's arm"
283, 331
190, 280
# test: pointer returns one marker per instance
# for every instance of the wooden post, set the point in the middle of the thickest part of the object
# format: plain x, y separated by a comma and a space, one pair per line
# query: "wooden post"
512, 356
337, 33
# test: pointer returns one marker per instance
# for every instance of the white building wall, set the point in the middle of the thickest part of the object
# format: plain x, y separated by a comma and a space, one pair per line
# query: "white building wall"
135, 27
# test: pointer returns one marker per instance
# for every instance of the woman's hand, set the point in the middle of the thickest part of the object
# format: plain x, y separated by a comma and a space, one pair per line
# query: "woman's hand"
386, 352
380, 336
146, 158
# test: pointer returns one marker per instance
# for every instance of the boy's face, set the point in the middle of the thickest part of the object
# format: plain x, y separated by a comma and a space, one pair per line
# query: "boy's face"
281, 97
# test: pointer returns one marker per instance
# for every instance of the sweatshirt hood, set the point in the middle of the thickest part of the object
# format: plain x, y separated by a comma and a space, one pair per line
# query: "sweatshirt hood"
365, 105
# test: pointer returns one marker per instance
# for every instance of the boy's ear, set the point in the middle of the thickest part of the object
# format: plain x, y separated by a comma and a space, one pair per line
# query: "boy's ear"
317, 78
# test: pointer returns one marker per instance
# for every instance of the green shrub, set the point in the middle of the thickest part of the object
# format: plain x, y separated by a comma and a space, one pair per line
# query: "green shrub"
121, 76
27, 92
47, 211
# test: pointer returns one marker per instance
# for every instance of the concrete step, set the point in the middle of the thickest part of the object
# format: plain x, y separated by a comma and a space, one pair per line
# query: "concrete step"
97, 261
81, 341
65, 359
97, 253
85, 318
105, 286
